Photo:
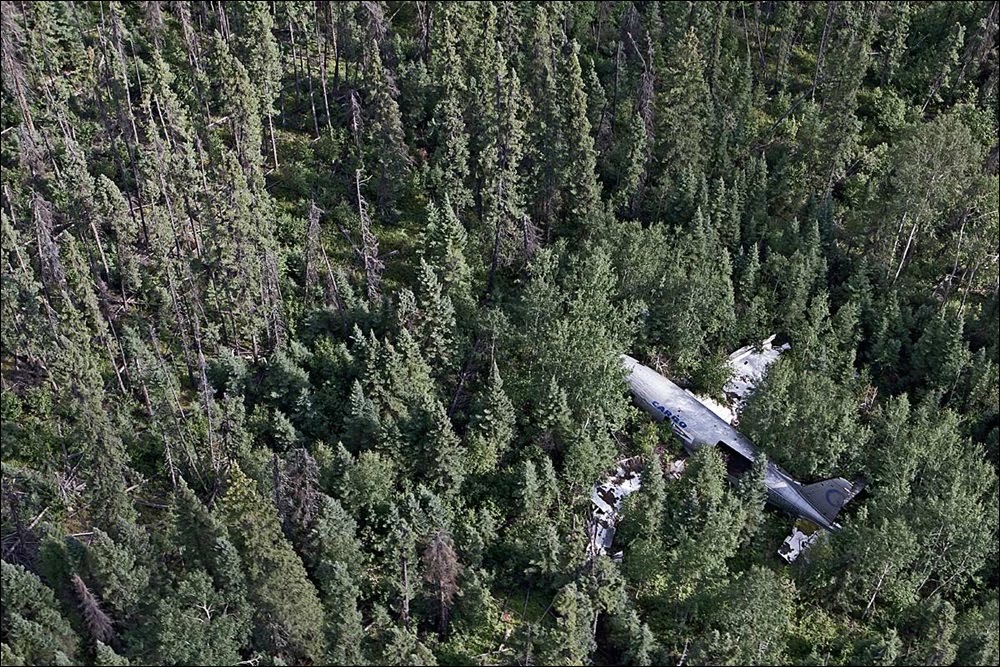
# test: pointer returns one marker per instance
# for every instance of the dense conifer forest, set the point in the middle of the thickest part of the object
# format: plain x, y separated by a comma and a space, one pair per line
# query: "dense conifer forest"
312, 315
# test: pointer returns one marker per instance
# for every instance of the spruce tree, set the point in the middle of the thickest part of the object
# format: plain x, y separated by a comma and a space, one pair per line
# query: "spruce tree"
492, 428
582, 194
288, 618
387, 158
436, 322
682, 116
450, 170
35, 631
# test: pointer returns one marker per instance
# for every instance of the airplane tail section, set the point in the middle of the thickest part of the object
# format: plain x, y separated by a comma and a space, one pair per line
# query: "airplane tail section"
830, 496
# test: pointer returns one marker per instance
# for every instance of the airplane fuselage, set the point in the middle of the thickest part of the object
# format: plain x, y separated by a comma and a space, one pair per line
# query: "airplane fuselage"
696, 426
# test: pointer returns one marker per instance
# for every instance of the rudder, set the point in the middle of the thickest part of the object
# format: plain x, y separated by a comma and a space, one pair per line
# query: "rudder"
829, 496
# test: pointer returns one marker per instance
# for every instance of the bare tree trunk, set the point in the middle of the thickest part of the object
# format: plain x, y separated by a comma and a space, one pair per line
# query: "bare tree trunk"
295, 56
13, 69
830, 10
322, 70
906, 250
274, 143
878, 587
312, 98
125, 115
336, 50
406, 592
373, 266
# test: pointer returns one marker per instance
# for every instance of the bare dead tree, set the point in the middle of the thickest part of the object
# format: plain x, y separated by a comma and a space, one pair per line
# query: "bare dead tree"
53, 274
19, 543
297, 492
323, 42
831, 9
309, 72
154, 20
314, 252
356, 121
441, 569
98, 623
378, 26
373, 266
425, 12
977, 48
311, 250
271, 295
11, 35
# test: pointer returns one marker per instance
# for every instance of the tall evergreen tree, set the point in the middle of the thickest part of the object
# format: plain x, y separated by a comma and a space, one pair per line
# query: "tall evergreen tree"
288, 618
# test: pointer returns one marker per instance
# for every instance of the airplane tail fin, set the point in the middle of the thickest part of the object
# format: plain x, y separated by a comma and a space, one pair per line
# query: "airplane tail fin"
830, 495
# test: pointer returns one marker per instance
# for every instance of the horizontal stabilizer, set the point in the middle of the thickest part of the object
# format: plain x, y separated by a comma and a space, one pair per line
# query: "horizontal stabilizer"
829, 496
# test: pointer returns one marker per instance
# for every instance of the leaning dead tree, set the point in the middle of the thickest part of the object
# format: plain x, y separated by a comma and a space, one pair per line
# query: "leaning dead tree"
373, 266
316, 259
97, 622
367, 249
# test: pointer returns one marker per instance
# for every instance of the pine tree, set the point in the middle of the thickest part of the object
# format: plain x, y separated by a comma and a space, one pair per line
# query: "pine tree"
582, 195
442, 460
443, 245
288, 617
940, 354
492, 427
544, 123
704, 524
632, 167
682, 115
34, 629
844, 70
572, 642
552, 418
388, 158
506, 228
545, 551
753, 631
450, 170
105, 655
437, 322
262, 58
751, 307
240, 102
196, 622
337, 562
117, 575
753, 492
362, 424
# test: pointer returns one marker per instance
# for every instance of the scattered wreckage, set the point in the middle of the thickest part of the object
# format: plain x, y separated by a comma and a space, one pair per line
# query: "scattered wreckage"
700, 422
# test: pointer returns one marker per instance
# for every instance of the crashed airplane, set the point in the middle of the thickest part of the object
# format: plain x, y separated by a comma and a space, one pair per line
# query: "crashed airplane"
696, 425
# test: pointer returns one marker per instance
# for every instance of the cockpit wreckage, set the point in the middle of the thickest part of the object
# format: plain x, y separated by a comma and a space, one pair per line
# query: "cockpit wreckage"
700, 422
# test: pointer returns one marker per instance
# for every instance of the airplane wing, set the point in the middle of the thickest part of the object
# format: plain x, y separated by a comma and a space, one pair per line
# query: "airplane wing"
748, 366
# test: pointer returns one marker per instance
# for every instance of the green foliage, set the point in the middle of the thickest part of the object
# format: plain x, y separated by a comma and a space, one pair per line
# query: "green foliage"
198, 622
265, 264
492, 428
35, 632
752, 632
287, 612
808, 422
